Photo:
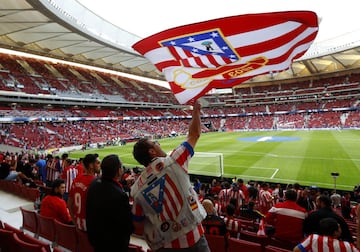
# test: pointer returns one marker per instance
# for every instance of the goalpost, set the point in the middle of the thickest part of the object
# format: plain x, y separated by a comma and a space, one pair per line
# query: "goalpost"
207, 163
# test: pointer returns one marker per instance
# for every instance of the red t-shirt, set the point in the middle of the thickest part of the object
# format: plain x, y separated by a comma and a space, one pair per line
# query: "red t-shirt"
55, 207
78, 192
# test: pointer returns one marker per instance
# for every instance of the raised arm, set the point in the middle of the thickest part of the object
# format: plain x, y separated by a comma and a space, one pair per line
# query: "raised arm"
195, 125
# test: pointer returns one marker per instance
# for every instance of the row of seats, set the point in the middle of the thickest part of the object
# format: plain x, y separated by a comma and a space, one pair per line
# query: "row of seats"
219, 243
59, 234
13, 239
20, 190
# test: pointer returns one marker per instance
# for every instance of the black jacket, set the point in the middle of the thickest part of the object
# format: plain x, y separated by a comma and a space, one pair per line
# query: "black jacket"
108, 216
312, 223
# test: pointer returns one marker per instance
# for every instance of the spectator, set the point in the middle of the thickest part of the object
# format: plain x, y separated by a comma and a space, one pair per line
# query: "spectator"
287, 218
108, 212
53, 205
335, 199
69, 173
346, 205
8, 172
312, 222
328, 239
223, 196
251, 213
213, 224
41, 166
79, 190
180, 211
253, 191
197, 185
50, 170
236, 197
244, 189
233, 225
307, 200
265, 198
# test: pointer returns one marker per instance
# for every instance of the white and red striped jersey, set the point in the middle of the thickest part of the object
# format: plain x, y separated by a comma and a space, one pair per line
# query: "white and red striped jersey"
238, 195
69, 174
165, 198
51, 172
265, 201
232, 225
223, 198
318, 243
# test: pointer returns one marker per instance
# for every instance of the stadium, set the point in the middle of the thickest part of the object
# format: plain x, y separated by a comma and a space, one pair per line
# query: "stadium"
70, 82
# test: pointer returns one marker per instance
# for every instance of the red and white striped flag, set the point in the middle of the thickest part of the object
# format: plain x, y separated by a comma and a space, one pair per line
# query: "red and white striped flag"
225, 52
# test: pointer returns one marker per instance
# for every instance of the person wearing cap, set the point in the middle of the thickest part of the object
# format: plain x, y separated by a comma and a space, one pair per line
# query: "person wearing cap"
108, 212
79, 188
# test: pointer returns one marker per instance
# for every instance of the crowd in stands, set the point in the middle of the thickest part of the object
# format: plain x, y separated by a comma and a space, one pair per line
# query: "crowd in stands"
284, 214
57, 134
34, 76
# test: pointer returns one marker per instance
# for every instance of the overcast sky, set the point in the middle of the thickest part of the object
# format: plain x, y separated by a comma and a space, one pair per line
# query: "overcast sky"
145, 17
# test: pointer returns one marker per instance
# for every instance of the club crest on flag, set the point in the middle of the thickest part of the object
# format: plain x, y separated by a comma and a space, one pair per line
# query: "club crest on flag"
206, 49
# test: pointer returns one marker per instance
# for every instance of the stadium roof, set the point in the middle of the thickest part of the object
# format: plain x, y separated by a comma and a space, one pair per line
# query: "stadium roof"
69, 31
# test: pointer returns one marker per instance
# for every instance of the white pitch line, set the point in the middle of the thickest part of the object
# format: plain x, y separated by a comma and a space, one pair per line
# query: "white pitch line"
276, 171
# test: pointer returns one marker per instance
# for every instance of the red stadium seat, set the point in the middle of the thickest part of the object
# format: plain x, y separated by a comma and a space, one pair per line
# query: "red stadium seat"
22, 246
217, 243
135, 248
84, 244
282, 244
243, 246
29, 221
66, 235
12, 229
270, 248
7, 243
33, 194
46, 227
253, 237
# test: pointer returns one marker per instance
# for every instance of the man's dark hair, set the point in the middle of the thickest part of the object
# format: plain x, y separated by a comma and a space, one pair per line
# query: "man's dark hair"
230, 209
290, 195
56, 184
251, 205
89, 159
141, 151
328, 226
110, 166
240, 181
325, 199
64, 156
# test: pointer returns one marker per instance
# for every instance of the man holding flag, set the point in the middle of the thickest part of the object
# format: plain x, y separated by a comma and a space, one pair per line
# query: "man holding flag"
166, 208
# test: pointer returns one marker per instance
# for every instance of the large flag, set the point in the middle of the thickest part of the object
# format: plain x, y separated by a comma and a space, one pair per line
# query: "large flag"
225, 52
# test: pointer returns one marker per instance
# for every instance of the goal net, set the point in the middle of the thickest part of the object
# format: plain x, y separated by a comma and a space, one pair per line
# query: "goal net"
207, 163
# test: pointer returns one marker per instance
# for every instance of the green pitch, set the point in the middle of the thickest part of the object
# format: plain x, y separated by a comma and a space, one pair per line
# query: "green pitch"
308, 160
